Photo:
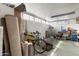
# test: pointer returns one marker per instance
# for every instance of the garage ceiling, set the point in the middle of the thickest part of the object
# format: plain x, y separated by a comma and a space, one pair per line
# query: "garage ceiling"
46, 10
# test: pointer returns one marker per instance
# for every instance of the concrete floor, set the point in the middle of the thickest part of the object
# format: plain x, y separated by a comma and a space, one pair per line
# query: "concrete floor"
67, 48
63, 48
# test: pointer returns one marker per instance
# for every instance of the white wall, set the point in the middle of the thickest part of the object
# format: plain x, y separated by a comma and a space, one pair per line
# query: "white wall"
36, 26
47, 10
5, 10
33, 24
41, 27
69, 19
65, 24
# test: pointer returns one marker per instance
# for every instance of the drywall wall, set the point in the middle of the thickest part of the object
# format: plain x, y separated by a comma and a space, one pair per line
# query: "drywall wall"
4, 10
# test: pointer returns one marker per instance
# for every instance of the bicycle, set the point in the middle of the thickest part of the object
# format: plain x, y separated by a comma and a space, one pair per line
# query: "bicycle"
39, 44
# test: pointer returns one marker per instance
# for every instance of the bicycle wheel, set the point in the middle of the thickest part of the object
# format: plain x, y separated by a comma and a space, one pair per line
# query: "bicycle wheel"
40, 46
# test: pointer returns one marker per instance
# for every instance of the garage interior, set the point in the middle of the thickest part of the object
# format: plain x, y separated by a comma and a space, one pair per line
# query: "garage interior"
39, 29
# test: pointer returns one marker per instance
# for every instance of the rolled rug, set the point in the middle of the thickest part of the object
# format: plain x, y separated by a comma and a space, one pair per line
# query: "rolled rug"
30, 49
14, 35
1, 39
25, 48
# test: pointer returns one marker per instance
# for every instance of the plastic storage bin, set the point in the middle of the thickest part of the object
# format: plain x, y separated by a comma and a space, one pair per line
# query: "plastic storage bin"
74, 36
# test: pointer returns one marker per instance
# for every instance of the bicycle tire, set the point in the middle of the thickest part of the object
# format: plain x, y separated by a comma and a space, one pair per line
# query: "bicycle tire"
36, 42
